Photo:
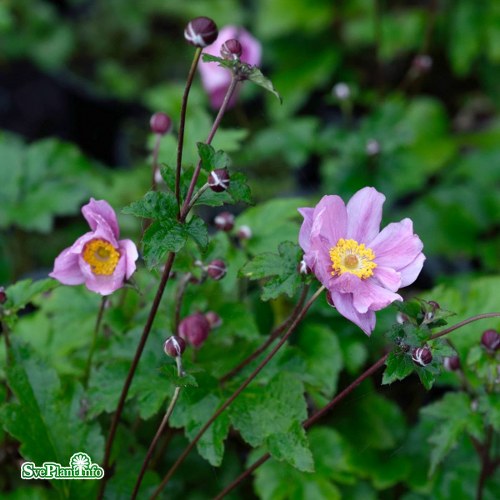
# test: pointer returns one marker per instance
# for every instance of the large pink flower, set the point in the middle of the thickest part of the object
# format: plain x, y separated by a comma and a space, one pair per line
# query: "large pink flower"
215, 79
361, 266
97, 258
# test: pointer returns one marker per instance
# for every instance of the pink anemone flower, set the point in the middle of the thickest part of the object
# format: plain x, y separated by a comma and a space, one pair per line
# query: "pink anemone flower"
361, 267
97, 258
215, 79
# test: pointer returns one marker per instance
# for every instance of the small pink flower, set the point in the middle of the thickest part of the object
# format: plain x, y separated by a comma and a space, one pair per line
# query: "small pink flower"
215, 79
361, 266
97, 258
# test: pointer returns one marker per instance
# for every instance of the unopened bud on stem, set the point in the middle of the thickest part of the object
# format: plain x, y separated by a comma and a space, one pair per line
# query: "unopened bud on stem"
194, 329
216, 269
201, 31
160, 123
218, 180
231, 49
224, 221
174, 346
491, 340
422, 356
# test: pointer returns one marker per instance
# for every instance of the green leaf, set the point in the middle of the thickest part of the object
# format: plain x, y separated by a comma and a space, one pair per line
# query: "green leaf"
398, 366
323, 355
155, 205
211, 159
47, 419
21, 293
452, 416
255, 75
281, 268
272, 415
197, 230
162, 237
194, 407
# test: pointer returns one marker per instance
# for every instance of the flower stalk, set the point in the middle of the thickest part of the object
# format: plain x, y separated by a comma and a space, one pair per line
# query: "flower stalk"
95, 334
236, 393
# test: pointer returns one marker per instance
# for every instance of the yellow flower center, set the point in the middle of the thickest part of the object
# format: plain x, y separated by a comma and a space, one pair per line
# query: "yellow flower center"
102, 256
348, 256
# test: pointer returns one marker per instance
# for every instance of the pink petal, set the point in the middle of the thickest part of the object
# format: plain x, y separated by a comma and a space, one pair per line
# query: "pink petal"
388, 278
410, 273
66, 268
129, 250
329, 221
105, 285
344, 304
98, 213
364, 213
396, 246
371, 297
305, 229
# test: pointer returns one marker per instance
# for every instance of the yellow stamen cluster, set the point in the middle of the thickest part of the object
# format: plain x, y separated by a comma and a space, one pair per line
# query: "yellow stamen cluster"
348, 256
102, 256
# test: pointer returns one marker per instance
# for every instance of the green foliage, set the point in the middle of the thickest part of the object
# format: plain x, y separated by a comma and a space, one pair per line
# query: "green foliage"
272, 416
47, 418
41, 181
452, 416
282, 268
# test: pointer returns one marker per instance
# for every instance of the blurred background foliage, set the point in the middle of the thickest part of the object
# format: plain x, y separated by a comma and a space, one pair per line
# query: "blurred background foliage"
79, 80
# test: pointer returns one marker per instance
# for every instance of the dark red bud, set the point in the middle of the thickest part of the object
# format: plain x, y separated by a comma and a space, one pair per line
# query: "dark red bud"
3, 295
160, 123
194, 329
244, 233
224, 221
201, 31
422, 63
231, 49
421, 356
174, 346
452, 363
218, 180
216, 269
213, 319
491, 340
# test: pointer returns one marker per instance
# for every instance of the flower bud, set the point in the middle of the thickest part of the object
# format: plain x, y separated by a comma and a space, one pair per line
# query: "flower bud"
201, 31
218, 180
303, 268
244, 233
231, 49
372, 147
213, 319
341, 91
452, 363
491, 340
160, 123
401, 318
421, 356
216, 269
3, 295
224, 221
194, 329
422, 63
174, 346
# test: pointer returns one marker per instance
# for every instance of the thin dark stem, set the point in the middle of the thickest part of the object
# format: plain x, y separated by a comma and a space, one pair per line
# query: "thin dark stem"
159, 432
156, 150
215, 126
272, 337
182, 124
95, 334
131, 372
463, 323
308, 423
236, 393
181, 290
